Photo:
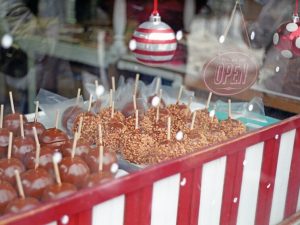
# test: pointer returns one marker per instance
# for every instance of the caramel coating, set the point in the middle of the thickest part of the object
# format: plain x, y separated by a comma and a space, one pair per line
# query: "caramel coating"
21, 205
7, 194
7, 168
58, 191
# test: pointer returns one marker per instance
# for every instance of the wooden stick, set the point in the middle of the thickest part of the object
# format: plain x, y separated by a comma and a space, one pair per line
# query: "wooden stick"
100, 134
78, 96
101, 158
136, 119
80, 126
38, 148
229, 109
157, 88
179, 94
57, 118
9, 145
136, 85
113, 83
56, 171
110, 97
22, 126
74, 145
37, 103
1, 115
193, 120
112, 109
90, 103
12, 103
19, 184
208, 100
169, 129
134, 102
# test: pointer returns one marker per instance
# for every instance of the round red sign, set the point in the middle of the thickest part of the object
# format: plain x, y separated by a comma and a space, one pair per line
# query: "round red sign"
230, 73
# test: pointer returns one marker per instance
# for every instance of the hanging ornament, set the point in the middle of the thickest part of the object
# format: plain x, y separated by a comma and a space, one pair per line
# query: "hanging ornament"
287, 37
153, 41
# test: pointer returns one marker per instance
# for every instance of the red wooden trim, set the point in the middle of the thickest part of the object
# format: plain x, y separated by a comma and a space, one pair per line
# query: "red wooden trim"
138, 207
148, 41
90, 197
153, 62
267, 181
73, 220
294, 180
85, 217
149, 31
232, 188
196, 192
154, 53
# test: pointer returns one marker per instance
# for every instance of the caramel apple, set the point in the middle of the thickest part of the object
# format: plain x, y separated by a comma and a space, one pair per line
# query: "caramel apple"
59, 189
130, 108
98, 178
9, 165
82, 148
23, 203
7, 194
12, 121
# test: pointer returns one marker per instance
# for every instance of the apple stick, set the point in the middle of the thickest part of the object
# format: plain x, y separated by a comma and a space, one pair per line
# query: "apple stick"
12, 103
208, 100
38, 148
56, 172
229, 109
90, 103
136, 119
9, 145
22, 126
112, 109
101, 158
179, 94
74, 145
169, 129
19, 184
113, 83
158, 83
193, 120
57, 118
110, 97
78, 96
1, 115
134, 102
36, 114
100, 134
137, 78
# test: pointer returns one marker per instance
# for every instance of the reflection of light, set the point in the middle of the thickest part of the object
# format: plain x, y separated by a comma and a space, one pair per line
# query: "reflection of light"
252, 36
179, 136
277, 69
7, 41
155, 101
132, 45
114, 168
57, 157
222, 39
100, 90
161, 36
212, 113
179, 35
250, 107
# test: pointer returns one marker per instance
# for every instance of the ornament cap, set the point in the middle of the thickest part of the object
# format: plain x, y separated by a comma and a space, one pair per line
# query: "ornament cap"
296, 18
155, 18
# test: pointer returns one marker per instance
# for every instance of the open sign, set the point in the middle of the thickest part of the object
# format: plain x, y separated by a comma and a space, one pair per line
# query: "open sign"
230, 73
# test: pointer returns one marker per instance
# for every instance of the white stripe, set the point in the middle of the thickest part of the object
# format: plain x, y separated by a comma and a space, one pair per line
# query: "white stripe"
282, 176
52, 223
250, 184
298, 203
211, 192
155, 36
153, 58
165, 201
110, 212
156, 26
156, 47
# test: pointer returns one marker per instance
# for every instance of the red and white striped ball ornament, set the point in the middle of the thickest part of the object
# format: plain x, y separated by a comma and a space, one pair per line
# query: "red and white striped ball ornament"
154, 41
287, 37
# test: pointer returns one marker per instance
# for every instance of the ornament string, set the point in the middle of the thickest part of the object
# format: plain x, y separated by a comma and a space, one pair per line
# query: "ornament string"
155, 8
244, 24
296, 8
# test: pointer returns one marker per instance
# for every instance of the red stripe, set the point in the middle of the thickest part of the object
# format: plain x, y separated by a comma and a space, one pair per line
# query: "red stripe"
294, 180
154, 53
147, 41
153, 61
148, 31
138, 207
267, 181
232, 188
196, 196
85, 217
